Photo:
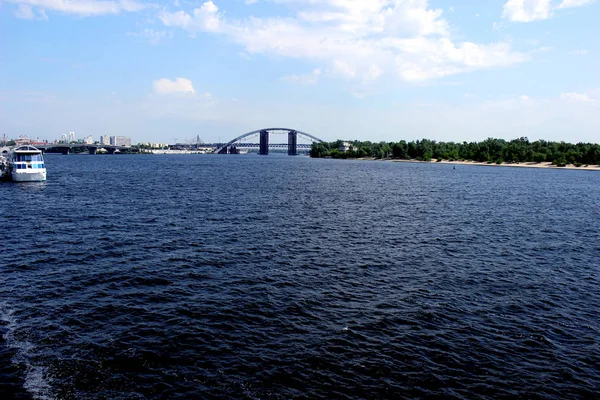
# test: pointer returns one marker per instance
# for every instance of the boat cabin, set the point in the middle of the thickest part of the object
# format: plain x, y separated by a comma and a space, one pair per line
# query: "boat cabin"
27, 157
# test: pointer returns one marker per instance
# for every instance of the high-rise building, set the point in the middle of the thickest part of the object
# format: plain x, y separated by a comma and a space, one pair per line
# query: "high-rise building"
104, 139
120, 141
88, 140
71, 136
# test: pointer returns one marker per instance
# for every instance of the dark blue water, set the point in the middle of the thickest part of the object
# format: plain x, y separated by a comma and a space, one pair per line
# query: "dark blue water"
150, 277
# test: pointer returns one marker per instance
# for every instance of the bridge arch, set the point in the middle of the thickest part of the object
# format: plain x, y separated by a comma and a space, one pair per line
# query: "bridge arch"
264, 139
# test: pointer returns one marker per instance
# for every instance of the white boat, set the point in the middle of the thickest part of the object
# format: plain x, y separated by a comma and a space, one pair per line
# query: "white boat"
27, 164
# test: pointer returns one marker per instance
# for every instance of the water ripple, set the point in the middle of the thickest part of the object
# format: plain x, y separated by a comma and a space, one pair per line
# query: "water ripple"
277, 278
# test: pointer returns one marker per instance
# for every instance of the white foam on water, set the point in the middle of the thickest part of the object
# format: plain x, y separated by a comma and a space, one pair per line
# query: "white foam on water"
36, 381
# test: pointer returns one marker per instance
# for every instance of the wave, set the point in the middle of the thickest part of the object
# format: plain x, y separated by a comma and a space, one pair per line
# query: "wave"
35, 377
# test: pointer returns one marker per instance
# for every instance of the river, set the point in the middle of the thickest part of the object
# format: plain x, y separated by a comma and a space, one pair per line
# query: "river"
253, 277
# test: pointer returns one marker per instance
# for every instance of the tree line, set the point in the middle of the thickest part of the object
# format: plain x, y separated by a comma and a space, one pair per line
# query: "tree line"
490, 150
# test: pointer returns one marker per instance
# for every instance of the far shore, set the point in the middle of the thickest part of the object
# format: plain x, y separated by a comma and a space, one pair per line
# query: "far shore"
518, 164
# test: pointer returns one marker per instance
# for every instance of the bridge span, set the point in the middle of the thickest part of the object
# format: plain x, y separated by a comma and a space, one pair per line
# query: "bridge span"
263, 146
67, 148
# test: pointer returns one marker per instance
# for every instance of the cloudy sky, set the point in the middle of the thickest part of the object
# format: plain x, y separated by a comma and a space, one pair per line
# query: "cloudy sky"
352, 69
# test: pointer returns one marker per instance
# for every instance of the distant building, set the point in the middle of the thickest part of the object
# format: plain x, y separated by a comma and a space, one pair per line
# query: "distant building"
104, 139
22, 140
120, 141
88, 140
63, 138
71, 136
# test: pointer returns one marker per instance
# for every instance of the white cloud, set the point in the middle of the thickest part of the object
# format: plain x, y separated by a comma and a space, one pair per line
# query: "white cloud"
83, 8
205, 18
536, 10
24, 12
399, 17
245, 55
575, 97
526, 10
356, 94
343, 69
523, 97
304, 80
574, 3
422, 59
356, 40
179, 85
372, 74
151, 35
579, 52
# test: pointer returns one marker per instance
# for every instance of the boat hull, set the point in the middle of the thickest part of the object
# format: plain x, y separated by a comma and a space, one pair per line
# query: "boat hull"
27, 176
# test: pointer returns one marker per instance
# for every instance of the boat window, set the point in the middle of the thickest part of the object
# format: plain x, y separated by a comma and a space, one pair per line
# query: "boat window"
28, 157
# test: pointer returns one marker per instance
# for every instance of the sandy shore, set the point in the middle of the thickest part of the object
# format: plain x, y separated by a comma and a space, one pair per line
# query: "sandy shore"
524, 165
519, 165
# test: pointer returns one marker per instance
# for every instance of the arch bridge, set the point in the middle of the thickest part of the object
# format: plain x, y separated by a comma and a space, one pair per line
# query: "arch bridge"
292, 145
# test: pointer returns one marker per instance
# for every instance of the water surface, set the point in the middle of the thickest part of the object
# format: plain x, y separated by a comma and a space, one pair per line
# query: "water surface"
282, 277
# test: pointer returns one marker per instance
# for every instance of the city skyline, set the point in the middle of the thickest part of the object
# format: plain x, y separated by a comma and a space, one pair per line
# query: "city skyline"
376, 70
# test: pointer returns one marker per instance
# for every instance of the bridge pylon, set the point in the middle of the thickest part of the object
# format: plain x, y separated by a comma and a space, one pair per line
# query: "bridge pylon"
264, 143
292, 143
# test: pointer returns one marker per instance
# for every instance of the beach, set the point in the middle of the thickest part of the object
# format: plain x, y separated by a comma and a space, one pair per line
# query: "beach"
520, 165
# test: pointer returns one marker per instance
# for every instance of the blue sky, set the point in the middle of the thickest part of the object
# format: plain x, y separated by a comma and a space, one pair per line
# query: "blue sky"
351, 69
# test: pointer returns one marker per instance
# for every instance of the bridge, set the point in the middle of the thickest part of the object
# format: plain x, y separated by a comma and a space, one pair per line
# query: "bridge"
67, 148
263, 146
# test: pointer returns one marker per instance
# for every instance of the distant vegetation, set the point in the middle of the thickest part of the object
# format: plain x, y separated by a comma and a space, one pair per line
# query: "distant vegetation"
490, 150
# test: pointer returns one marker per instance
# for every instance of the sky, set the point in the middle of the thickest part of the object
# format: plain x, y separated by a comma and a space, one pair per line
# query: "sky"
379, 70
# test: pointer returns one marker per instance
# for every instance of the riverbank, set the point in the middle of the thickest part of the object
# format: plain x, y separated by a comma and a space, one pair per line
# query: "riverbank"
518, 165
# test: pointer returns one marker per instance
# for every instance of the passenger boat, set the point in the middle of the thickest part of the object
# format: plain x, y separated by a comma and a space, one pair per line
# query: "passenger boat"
26, 164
